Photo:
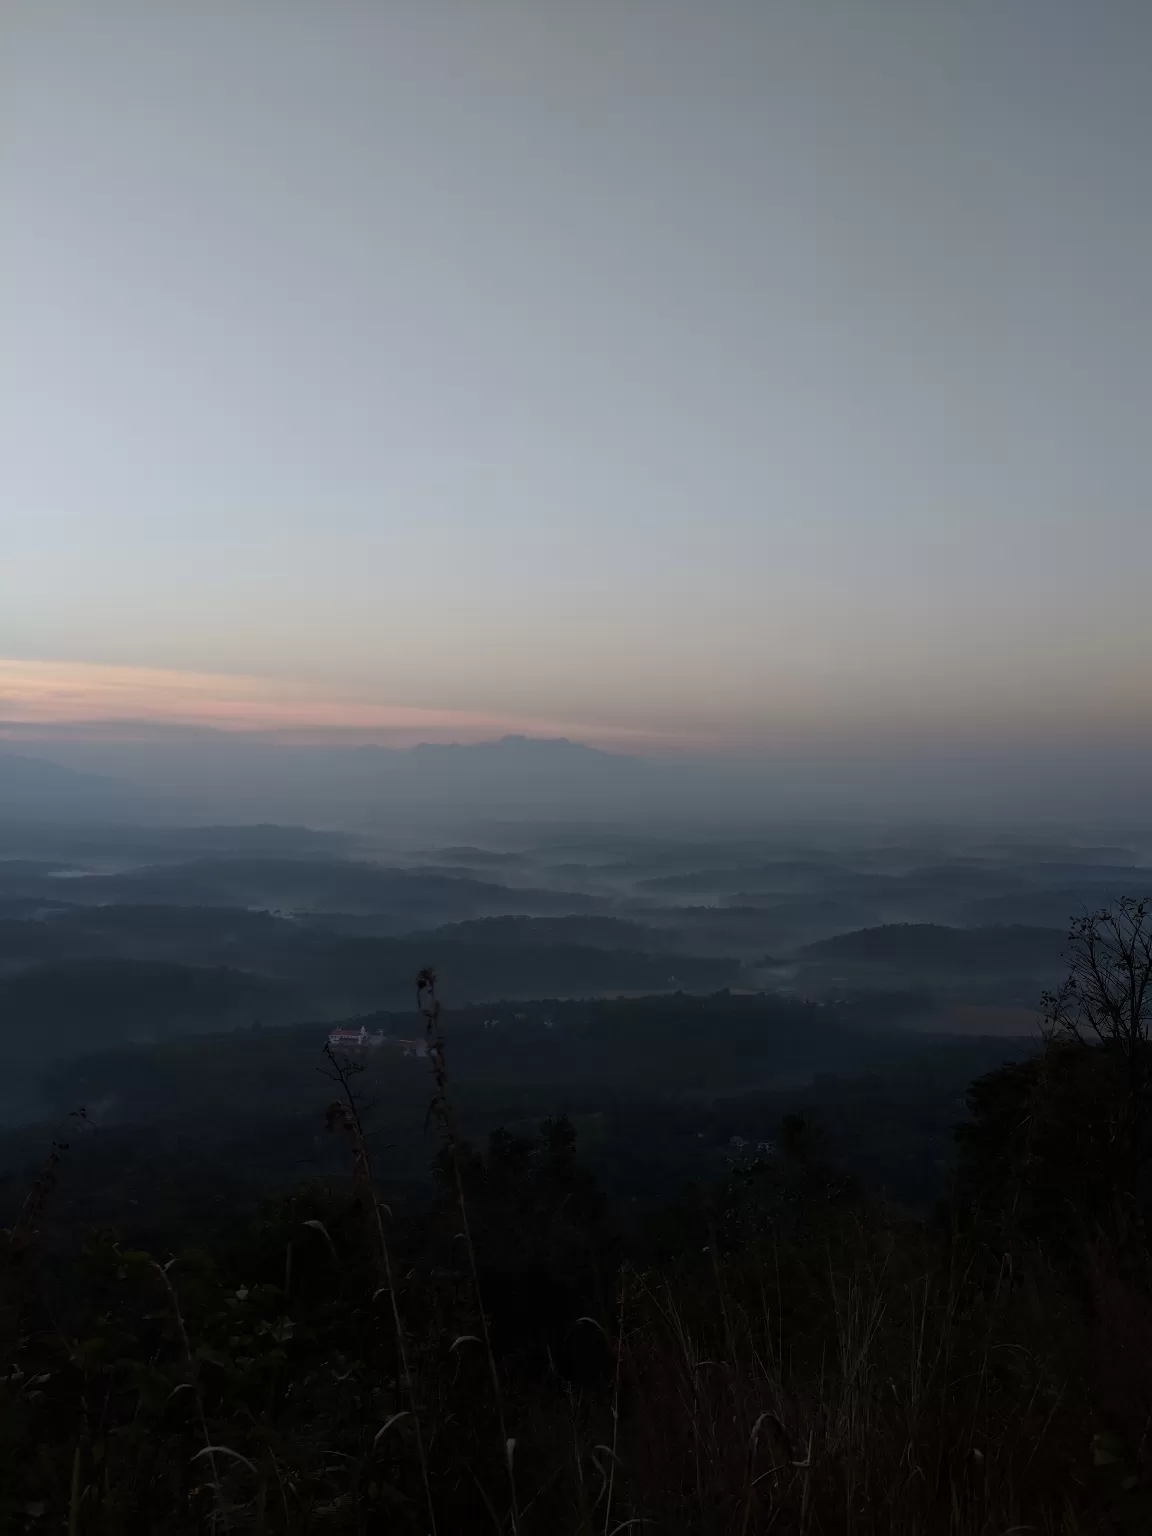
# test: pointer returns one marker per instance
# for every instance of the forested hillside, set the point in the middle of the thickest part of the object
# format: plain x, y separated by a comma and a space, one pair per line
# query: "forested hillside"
517, 1341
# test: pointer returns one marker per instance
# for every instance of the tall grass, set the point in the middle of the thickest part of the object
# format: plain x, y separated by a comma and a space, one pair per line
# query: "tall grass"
345, 1113
821, 1366
881, 1395
440, 1110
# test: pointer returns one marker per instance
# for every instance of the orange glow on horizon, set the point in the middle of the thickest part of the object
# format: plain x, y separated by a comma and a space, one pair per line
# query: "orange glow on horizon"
59, 693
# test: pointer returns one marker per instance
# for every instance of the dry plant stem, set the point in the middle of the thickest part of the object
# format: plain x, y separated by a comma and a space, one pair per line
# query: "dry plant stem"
615, 1404
194, 1383
362, 1177
578, 1462
429, 1005
21, 1240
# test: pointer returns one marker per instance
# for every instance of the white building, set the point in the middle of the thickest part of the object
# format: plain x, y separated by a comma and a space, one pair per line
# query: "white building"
344, 1038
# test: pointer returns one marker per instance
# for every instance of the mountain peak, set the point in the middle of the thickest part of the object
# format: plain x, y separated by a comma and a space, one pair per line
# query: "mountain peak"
513, 743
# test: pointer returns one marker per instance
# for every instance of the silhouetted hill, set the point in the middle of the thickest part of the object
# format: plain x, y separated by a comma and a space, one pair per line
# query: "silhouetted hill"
118, 843
55, 1011
34, 787
783, 875
1057, 906
419, 897
92, 977
24, 943
385, 968
534, 932
934, 947
515, 774
613, 1047
1009, 966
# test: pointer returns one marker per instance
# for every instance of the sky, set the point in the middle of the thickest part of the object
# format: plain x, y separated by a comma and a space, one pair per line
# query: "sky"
705, 377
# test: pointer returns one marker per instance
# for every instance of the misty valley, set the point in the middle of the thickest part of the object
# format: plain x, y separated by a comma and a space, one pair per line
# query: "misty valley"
667, 992
450, 1168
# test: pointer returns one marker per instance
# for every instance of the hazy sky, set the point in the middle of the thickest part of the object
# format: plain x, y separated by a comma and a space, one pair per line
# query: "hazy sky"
714, 372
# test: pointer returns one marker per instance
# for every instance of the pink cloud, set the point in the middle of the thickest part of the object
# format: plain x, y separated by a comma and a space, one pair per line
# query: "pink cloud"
96, 699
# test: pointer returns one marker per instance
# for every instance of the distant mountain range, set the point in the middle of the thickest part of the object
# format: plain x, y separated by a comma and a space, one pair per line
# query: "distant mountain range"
514, 771
31, 786
252, 776
210, 772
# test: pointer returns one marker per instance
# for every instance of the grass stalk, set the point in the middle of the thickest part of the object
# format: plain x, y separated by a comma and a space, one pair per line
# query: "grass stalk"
440, 1110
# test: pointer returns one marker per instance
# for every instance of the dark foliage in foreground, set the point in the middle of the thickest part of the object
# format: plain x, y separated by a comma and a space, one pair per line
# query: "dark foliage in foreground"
777, 1352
